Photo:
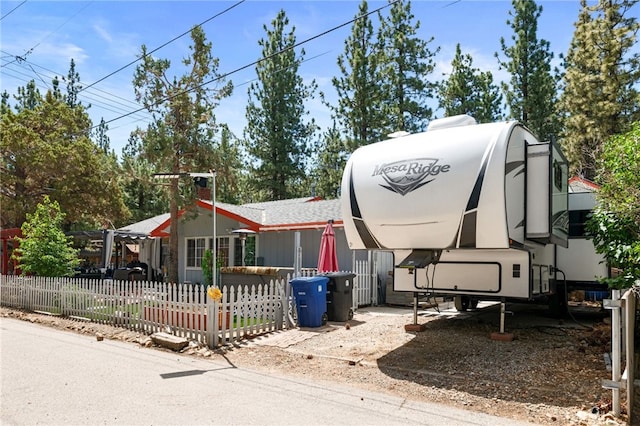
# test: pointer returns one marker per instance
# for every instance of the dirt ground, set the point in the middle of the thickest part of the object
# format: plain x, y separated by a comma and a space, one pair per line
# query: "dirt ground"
550, 373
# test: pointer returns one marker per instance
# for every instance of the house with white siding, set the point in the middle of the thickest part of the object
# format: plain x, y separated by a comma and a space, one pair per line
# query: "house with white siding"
278, 228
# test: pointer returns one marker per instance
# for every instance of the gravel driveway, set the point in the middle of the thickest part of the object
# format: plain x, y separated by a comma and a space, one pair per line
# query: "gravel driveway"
549, 374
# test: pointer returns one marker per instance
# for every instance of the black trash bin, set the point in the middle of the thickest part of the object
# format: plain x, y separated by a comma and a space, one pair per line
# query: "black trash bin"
340, 296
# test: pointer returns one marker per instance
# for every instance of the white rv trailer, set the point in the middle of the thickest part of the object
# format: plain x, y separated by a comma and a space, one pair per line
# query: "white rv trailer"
469, 210
579, 263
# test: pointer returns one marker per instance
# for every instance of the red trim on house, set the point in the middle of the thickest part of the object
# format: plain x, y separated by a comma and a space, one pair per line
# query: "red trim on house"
585, 182
10, 233
159, 231
250, 224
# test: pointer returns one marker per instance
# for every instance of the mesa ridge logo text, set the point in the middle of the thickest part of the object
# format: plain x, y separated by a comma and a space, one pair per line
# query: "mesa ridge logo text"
405, 176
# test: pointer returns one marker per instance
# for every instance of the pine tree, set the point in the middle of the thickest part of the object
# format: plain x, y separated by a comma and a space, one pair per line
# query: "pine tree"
469, 91
102, 138
142, 195
406, 63
73, 86
277, 134
332, 157
531, 92
359, 110
229, 167
600, 96
180, 139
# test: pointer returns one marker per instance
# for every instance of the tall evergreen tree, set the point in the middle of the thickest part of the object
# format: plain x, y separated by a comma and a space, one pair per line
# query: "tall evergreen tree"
359, 110
73, 86
406, 63
180, 138
28, 97
4, 103
277, 134
229, 168
467, 90
102, 138
331, 159
600, 96
531, 92
142, 195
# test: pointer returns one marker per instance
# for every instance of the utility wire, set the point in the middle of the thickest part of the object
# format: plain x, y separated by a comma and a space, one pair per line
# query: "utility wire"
30, 51
55, 73
105, 103
22, 59
12, 10
160, 47
286, 49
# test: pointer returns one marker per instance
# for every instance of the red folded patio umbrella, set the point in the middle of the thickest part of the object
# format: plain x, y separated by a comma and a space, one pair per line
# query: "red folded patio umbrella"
328, 257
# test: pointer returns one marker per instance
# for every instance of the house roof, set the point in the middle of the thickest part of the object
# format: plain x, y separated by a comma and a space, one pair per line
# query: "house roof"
580, 184
146, 226
284, 215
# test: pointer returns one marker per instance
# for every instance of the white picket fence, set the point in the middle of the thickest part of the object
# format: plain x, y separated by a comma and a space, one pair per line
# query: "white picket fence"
184, 309
150, 307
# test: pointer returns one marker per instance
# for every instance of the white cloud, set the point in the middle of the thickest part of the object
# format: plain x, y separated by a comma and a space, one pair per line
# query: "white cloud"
103, 33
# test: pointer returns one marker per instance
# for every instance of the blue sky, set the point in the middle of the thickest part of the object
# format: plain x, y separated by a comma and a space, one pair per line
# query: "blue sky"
39, 38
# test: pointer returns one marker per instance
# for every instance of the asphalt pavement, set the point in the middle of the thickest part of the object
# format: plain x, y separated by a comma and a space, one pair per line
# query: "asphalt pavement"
52, 377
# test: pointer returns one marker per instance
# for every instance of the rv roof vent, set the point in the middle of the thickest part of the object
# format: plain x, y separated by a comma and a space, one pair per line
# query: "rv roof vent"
398, 134
455, 121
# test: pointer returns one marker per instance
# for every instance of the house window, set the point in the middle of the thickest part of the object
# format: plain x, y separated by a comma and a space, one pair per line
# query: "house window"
222, 253
249, 251
195, 251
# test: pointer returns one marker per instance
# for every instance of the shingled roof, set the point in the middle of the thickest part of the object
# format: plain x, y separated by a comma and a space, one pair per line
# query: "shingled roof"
292, 214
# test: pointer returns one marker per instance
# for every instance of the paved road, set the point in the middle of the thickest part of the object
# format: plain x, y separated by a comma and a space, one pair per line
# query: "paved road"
55, 377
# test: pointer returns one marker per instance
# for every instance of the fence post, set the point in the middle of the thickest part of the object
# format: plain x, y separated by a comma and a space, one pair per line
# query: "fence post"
615, 305
630, 321
211, 323
615, 343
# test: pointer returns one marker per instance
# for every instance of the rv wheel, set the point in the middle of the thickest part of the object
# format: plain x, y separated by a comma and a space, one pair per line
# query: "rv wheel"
461, 303
473, 303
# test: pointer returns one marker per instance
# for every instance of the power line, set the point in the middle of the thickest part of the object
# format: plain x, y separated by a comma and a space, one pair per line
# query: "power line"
55, 73
111, 105
286, 49
165, 44
28, 52
22, 59
12, 10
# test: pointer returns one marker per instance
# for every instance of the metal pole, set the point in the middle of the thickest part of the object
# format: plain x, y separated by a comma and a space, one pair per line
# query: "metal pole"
213, 215
615, 353
297, 255
243, 239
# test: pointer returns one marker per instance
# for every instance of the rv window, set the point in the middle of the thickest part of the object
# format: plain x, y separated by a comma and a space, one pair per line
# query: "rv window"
577, 222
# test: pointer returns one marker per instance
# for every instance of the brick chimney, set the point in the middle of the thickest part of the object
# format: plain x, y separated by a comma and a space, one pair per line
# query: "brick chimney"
203, 193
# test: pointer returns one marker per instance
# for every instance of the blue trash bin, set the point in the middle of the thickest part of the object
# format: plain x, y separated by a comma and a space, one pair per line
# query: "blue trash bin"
310, 294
